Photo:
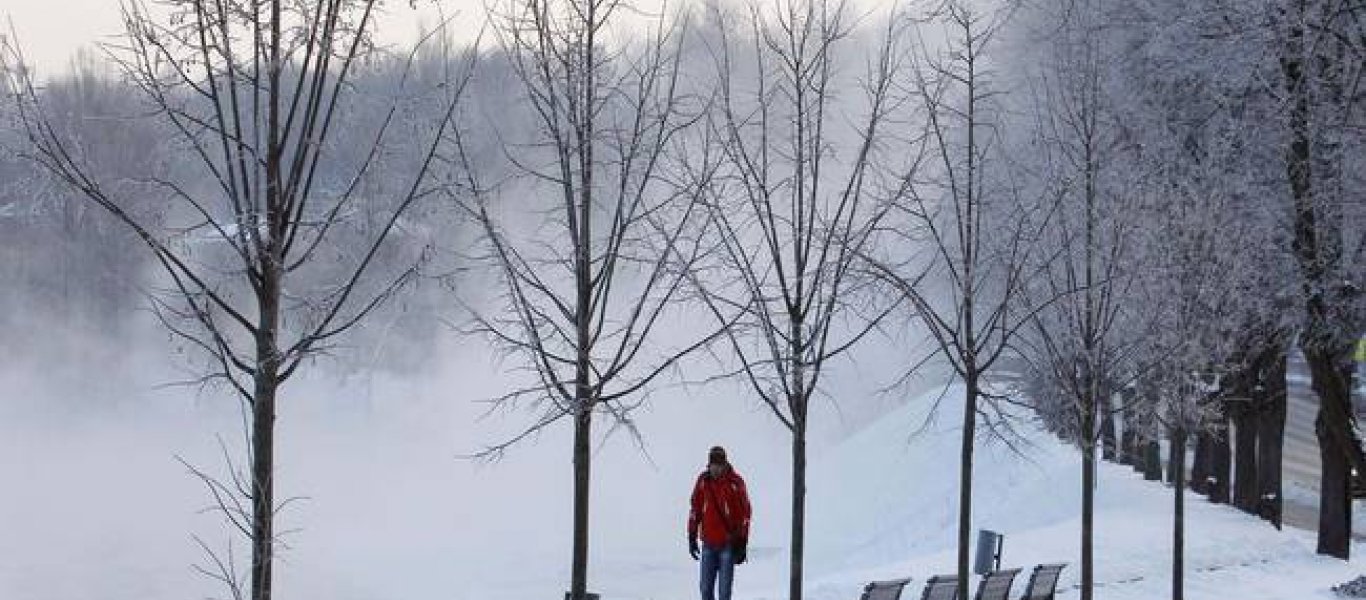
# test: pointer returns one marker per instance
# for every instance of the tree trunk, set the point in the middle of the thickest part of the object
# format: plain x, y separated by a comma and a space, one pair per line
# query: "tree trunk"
1245, 484
798, 507
965, 479
1335, 502
583, 463
267, 382
1326, 340
1242, 407
799, 405
267, 376
583, 370
1200, 464
263, 484
1152, 461
1176, 460
1128, 420
1088, 509
1178, 453
1127, 444
1271, 432
1337, 448
1221, 463
1108, 443
1139, 454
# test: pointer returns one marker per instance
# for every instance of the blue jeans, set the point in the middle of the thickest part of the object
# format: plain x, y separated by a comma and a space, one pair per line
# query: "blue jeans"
718, 571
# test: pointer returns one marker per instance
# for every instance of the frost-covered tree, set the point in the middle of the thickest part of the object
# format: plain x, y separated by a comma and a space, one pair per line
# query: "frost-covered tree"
977, 227
1211, 277
1264, 90
1187, 303
66, 253
1076, 345
1321, 50
248, 225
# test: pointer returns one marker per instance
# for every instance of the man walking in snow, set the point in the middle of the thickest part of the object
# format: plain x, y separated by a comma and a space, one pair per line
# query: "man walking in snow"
720, 514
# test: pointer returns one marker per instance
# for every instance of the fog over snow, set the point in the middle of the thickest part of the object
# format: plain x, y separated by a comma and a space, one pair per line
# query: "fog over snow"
100, 507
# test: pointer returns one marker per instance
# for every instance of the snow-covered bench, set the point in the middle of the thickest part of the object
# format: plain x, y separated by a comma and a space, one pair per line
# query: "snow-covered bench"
1043, 582
884, 590
941, 587
996, 585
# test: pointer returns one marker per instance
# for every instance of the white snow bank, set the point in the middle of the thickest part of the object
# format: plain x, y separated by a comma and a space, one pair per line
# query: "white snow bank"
884, 505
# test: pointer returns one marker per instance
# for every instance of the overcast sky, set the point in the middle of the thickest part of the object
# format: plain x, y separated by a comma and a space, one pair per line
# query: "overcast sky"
51, 31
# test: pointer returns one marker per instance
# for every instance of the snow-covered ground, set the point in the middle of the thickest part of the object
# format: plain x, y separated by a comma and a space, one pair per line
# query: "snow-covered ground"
883, 505
900, 523
100, 510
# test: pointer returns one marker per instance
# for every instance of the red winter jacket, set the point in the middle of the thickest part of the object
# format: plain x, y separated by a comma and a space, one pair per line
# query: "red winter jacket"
720, 507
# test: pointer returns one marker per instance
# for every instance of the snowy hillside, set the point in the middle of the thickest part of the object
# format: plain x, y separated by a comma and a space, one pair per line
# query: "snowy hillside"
884, 507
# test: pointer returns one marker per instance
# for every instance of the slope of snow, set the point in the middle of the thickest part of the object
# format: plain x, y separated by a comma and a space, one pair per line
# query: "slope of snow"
884, 505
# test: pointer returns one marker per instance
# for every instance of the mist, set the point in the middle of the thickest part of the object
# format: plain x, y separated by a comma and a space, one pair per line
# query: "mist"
103, 420
101, 507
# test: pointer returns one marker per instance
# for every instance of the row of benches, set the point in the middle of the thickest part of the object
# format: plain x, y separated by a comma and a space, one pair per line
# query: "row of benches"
1043, 585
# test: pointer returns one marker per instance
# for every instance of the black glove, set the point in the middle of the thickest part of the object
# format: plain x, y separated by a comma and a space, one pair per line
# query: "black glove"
741, 550
692, 547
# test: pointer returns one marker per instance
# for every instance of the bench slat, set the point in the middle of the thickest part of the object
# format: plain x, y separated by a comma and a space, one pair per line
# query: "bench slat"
996, 585
941, 587
1043, 582
884, 590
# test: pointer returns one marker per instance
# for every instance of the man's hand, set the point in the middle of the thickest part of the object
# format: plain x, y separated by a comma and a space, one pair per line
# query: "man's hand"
692, 547
740, 549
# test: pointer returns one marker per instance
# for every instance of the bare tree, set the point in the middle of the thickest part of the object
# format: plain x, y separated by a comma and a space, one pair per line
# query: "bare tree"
616, 230
797, 201
1187, 300
980, 230
1084, 340
250, 91
1185, 403
1190, 288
